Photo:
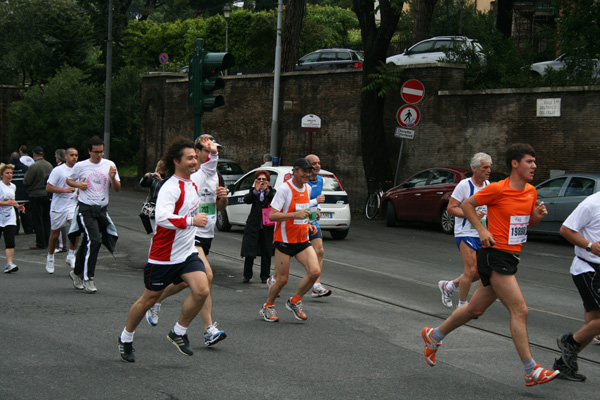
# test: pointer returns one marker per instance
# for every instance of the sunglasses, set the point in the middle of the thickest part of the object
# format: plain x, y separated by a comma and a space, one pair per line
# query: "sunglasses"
261, 179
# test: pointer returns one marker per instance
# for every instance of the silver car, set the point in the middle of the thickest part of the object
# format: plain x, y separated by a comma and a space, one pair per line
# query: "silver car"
541, 68
561, 195
433, 50
230, 171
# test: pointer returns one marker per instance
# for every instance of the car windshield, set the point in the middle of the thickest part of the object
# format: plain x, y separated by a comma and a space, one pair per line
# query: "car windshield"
226, 168
331, 184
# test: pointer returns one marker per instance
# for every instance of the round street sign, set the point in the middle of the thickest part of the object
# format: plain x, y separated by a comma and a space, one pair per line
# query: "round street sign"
163, 58
412, 91
408, 116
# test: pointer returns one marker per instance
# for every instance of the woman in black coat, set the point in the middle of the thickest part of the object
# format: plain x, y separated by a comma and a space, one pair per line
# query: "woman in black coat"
258, 233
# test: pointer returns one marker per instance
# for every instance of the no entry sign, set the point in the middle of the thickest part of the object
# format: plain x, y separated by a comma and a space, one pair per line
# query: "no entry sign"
408, 116
412, 91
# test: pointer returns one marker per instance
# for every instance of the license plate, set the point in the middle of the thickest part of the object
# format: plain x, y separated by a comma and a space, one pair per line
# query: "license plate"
326, 215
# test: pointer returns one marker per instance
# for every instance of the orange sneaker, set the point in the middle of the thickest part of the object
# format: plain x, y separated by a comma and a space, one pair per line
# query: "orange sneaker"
540, 375
431, 346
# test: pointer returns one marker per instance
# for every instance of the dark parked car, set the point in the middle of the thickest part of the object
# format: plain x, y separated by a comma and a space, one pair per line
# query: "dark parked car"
561, 195
327, 59
425, 196
229, 170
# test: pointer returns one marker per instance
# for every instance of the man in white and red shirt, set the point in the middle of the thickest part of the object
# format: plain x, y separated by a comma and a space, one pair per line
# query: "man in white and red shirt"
173, 257
290, 209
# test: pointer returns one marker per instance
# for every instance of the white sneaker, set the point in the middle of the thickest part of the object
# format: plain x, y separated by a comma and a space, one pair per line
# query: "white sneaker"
10, 267
320, 291
446, 294
71, 260
596, 339
77, 281
152, 315
213, 335
50, 265
89, 286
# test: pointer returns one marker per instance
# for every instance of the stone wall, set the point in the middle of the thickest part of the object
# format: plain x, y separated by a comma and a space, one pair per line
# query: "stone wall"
454, 125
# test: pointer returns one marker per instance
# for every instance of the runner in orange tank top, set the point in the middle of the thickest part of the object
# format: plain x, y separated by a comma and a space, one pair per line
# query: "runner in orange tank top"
512, 207
290, 211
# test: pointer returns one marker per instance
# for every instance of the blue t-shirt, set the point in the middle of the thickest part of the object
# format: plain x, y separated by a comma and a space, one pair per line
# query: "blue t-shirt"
316, 190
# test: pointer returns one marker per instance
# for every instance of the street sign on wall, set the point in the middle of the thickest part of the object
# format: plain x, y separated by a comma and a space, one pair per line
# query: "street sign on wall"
408, 116
412, 91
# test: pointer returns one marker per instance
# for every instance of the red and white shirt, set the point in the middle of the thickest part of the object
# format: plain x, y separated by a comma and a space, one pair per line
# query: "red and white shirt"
177, 203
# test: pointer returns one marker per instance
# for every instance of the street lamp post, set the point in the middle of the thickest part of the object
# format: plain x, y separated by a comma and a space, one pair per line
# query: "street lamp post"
226, 14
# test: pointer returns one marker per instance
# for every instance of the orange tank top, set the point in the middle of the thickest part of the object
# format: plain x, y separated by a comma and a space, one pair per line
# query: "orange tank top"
294, 230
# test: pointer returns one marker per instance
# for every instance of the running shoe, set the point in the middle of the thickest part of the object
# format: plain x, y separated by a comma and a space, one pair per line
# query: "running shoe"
77, 281
446, 294
540, 375
296, 309
213, 335
269, 313
181, 342
152, 315
126, 351
596, 340
431, 346
10, 267
320, 291
50, 265
70, 260
89, 286
567, 373
569, 351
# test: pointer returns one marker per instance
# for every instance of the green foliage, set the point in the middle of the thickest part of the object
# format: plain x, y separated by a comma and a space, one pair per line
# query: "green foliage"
38, 36
326, 27
66, 111
388, 78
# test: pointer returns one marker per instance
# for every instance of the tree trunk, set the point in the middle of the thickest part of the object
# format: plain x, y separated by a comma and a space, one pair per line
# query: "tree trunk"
376, 40
423, 14
504, 17
290, 38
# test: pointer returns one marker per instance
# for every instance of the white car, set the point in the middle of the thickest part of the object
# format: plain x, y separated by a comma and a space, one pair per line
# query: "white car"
335, 211
540, 68
434, 49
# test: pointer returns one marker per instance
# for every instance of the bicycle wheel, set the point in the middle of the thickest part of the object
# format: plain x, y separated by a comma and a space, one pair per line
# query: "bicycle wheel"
372, 206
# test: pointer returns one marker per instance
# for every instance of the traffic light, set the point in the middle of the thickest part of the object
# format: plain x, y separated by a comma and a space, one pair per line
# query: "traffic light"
204, 79
212, 65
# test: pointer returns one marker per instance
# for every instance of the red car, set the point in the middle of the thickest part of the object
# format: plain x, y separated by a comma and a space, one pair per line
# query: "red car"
425, 196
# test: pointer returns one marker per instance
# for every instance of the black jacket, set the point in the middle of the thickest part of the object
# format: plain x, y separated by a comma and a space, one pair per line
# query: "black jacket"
254, 229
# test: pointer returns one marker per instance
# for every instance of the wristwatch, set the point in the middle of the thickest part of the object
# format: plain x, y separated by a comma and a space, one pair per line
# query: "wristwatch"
589, 247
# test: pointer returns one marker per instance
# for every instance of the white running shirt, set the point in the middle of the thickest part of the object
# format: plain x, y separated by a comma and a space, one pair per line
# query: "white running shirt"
585, 219
97, 178
7, 213
465, 189
62, 202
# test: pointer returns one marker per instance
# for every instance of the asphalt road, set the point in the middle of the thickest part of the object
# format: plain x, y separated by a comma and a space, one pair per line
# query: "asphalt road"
362, 342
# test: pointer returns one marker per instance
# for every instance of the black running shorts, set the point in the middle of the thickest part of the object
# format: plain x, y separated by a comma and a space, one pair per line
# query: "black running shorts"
588, 285
291, 249
159, 276
204, 243
489, 260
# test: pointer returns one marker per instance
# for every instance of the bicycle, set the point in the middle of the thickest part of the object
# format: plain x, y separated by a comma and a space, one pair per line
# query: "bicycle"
374, 197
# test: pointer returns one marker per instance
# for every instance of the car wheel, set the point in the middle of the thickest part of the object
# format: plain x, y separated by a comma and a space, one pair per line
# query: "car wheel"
339, 234
223, 224
446, 221
390, 214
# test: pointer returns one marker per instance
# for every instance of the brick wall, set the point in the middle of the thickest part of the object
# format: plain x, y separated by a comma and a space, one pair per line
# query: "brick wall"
454, 125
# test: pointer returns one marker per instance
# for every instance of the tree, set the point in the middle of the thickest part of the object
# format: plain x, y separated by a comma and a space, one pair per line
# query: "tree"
290, 38
376, 40
423, 14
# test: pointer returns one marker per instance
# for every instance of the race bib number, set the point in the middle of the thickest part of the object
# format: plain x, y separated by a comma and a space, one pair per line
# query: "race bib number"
518, 229
313, 214
300, 207
482, 220
208, 208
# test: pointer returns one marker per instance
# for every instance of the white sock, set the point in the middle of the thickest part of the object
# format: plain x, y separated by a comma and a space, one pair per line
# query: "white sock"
71, 252
179, 330
157, 306
126, 337
316, 285
462, 303
450, 286
50, 257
